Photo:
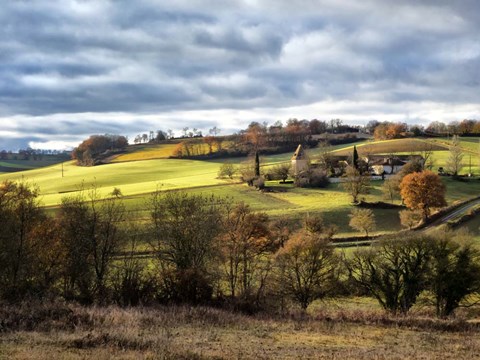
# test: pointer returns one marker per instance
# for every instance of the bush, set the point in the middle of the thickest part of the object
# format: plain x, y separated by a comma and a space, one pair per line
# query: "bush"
312, 178
227, 170
259, 183
281, 171
189, 286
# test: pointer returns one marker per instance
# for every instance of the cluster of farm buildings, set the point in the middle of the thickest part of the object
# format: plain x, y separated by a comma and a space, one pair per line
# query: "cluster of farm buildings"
378, 165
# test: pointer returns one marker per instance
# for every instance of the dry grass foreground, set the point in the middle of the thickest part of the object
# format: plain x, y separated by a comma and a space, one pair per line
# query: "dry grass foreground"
75, 332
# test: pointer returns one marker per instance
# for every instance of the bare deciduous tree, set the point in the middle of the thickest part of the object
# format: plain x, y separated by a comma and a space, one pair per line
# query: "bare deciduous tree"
362, 220
19, 214
394, 271
455, 157
356, 183
410, 218
245, 240
92, 235
282, 171
184, 229
307, 267
455, 273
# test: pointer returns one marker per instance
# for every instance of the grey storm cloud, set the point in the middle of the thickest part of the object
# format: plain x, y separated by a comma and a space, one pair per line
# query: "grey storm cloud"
181, 58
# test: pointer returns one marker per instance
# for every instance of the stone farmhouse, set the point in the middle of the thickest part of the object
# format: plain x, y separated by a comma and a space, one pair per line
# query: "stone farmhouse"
377, 164
389, 165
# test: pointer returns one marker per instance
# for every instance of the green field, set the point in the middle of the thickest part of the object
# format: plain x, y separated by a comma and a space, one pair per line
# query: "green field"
146, 152
132, 178
13, 165
160, 151
137, 179
469, 144
392, 146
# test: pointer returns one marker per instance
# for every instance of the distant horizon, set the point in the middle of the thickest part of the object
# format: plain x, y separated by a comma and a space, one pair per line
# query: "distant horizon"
204, 132
71, 68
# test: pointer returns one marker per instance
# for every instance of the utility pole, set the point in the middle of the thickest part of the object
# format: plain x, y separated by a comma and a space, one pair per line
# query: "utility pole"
470, 165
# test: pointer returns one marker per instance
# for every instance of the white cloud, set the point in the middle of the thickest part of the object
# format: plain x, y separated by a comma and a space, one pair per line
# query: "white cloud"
72, 68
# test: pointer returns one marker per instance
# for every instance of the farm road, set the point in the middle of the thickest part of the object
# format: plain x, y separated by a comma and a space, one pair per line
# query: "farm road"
462, 210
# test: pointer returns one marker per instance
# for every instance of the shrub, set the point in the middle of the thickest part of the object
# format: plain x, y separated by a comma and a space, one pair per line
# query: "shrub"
393, 271
227, 170
314, 178
259, 183
282, 171
362, 220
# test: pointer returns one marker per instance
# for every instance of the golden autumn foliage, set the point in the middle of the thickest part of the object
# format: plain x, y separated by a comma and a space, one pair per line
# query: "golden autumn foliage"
423, 191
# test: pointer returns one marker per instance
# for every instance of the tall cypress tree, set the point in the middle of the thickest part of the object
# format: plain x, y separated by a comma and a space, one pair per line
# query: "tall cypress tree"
355, 157
257, 165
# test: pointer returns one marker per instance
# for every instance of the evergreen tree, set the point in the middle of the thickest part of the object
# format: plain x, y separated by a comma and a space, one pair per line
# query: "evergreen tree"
355, 157
257, 165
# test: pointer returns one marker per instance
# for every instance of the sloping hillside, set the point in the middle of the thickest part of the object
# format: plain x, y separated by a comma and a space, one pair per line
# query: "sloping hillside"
145, 152
14, 165
393, 146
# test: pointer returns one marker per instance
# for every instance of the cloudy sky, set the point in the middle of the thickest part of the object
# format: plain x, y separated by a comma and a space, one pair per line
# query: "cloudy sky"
69, 69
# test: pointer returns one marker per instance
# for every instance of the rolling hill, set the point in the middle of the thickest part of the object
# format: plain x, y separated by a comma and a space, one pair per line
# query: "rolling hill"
137, 178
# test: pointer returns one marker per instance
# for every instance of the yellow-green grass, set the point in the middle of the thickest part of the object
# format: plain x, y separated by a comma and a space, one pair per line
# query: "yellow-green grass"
137, 179
392, 146
12, 165
146, 152
314, 152
161, 151
166, 150
17, 164
131, 177
470, 162
469, 144
459, 190
286, 200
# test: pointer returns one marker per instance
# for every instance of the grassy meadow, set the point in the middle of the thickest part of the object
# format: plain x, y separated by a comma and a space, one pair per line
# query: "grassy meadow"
146, 152
14, 165
469, 144
162, 151
392, 147
137, 178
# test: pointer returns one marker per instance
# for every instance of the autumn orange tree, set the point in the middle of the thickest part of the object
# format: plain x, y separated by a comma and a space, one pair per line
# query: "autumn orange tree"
87, 152
423, 191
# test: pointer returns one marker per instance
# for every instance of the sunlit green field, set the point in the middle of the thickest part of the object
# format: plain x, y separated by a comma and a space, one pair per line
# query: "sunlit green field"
161, 151
405, 146
12, 165
138, 179
146, 152
132, 178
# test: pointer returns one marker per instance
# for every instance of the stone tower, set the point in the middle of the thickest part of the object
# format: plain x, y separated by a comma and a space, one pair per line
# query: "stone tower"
299, 160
